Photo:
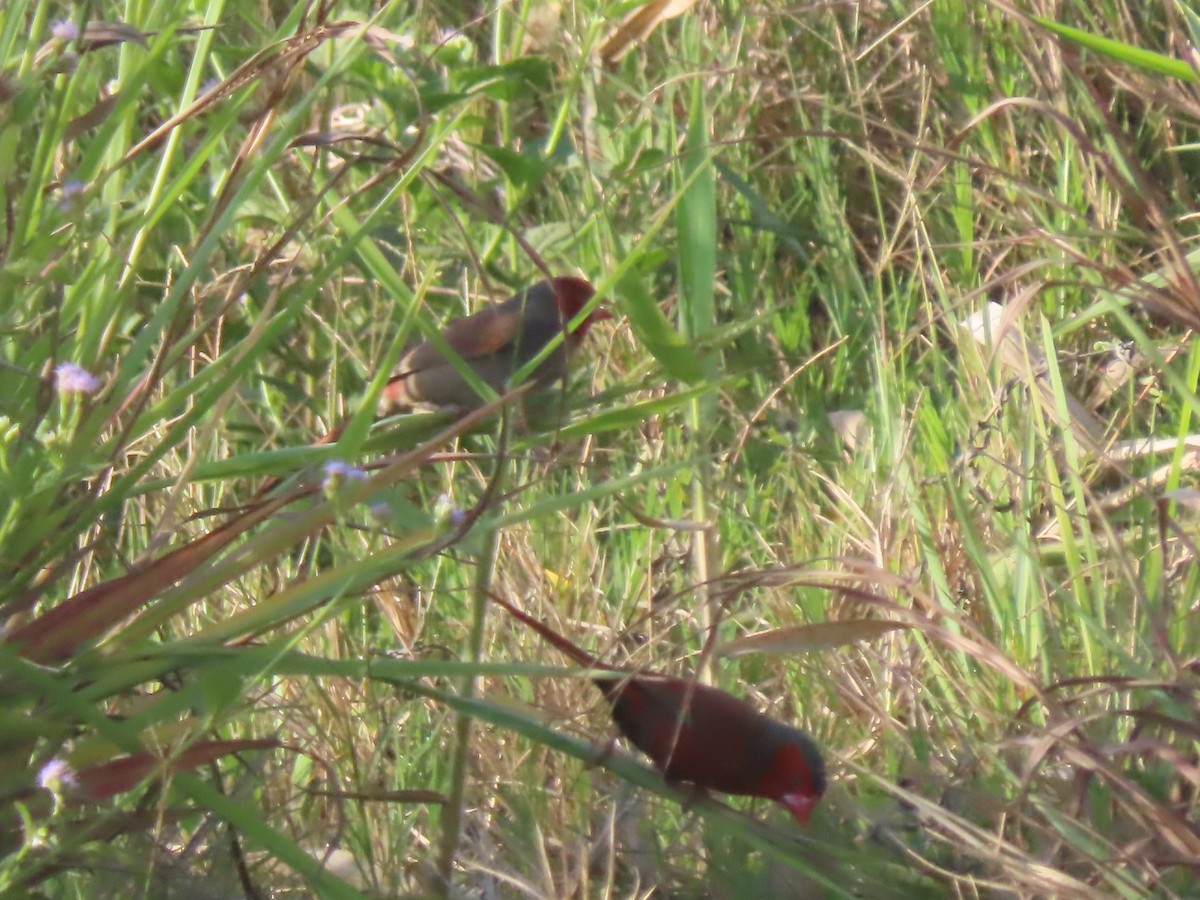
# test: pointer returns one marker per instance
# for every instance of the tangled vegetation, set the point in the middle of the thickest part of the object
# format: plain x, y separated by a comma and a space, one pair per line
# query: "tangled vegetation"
890, 435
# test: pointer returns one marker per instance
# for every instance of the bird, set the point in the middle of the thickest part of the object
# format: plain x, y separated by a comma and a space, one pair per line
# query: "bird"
703, 736
495, 343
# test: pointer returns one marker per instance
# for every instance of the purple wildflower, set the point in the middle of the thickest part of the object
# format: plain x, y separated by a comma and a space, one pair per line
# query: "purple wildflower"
444, 510
73, 379
336, 470
55, 775
71, 196
64, 30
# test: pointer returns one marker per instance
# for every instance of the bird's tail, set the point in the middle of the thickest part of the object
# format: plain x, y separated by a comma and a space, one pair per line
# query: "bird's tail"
551, 636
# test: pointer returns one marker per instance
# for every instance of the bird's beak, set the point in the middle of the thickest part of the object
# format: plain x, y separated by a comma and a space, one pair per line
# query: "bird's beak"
801, 806
600, 314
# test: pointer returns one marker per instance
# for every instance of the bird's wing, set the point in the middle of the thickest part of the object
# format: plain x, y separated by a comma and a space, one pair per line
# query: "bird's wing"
482, 334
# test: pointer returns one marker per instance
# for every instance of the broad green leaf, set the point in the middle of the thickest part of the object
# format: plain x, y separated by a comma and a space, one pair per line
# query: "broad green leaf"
653, 330
1158, 63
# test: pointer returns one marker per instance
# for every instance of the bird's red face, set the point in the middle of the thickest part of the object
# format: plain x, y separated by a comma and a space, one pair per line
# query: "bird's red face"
793, 782
571, 295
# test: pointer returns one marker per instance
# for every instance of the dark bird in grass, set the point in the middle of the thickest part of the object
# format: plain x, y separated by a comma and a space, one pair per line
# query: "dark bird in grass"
702, 736
494, 344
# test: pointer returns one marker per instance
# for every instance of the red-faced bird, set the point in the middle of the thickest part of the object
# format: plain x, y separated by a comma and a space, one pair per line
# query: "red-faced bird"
494, 344
703, 736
